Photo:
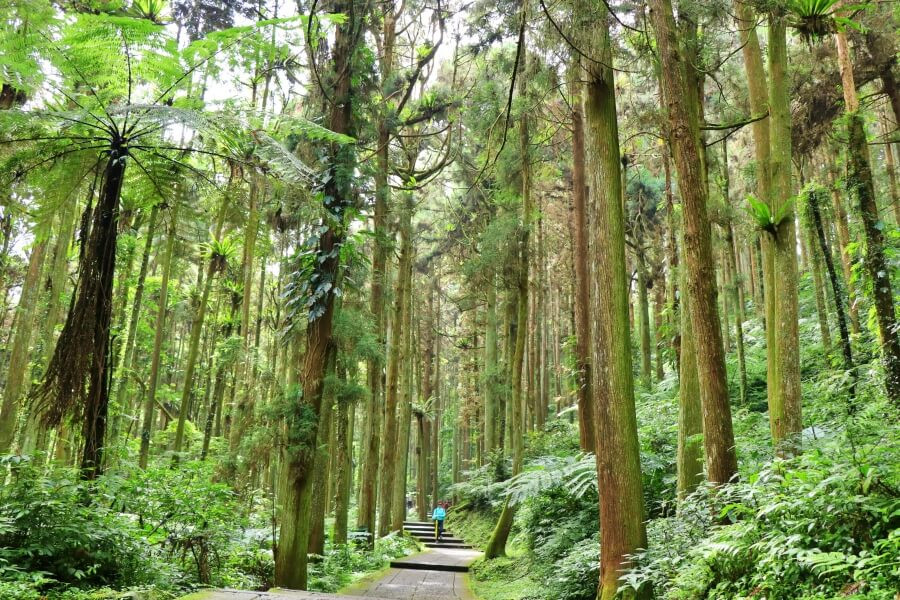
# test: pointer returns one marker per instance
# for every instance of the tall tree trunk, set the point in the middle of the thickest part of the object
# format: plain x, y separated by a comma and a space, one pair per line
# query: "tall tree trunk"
689, 465
438, 415
243, 412
95, 304
369, 493
36, 434
303, 422
127, 357
659, 306
159, 332
736, 288
580, 254
82, 354
622, 530
422, 444
860, 183
21, 344
392, 388
644, 317
497, 544
398, 514
818, 288
721, 459
345, 416
491, 374
785, 395
759, 105
213, 268
843, 238
322, 462
815, 216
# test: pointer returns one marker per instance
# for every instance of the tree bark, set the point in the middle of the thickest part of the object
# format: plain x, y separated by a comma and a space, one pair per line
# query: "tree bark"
21, 344
759, 105
785, 395
392, 395
369, 494
689, 465
322, 462
815, 215
302, 424
721, 459
345, 417
621, 504
580, 253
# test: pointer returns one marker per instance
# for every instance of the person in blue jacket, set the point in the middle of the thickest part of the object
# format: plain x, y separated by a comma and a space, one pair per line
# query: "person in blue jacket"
439, 513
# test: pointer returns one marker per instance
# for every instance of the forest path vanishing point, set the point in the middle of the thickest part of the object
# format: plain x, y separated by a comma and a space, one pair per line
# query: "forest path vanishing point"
438, 573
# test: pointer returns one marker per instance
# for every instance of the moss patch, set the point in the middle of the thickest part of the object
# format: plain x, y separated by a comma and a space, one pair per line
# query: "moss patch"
508, 578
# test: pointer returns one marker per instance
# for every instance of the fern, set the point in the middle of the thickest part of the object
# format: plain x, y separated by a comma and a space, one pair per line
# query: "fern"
761, 214
577, 474
815, 19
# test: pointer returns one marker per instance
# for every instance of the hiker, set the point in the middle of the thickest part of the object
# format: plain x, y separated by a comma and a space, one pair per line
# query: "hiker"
439, 513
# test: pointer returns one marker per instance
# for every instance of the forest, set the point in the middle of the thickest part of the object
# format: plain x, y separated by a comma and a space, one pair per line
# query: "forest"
614, 282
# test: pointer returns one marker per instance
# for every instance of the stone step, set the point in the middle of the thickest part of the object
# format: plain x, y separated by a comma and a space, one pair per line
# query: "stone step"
418, 528
427, 535
430, 529
410, 564
445, 544
445, 538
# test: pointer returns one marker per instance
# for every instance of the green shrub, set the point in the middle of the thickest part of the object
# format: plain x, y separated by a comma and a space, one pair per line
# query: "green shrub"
575, 575
336, 568
814, 526
50, 527
554, 521
184, 513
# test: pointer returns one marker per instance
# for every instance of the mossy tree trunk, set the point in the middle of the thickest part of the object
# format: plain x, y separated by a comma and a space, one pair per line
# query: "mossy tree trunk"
346, 410
321, 470
215, 265
759, 105
861, 185
302, 424
496, 546
785, 395
21, 345
689, 463
405, 393
158, 335
392, 388
580, 254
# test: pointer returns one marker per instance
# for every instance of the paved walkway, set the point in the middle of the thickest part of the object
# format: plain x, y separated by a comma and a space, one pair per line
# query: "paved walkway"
436, 574
439, 573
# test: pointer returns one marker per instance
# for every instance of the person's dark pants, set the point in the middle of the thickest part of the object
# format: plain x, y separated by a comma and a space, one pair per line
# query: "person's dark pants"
439, 528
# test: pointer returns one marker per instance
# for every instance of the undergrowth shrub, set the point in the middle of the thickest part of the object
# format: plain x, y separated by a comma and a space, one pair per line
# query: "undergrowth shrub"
821, 525
51, 533
183, 512
575, 575
335, 569
554, 521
